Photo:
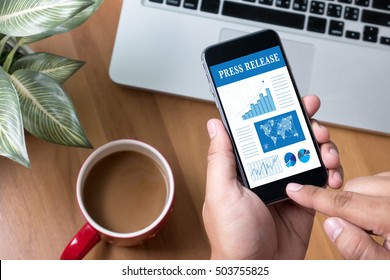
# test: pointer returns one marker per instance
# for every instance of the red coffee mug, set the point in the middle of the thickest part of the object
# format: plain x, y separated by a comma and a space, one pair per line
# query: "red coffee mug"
91, 233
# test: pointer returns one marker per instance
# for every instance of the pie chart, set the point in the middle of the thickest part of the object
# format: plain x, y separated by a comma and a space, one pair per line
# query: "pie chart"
290, 159
304, 155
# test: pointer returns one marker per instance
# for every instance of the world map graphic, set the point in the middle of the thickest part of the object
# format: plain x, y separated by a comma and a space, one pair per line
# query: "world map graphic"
279, 131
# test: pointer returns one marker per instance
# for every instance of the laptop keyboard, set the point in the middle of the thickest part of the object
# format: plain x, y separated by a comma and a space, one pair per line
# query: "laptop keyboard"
366, 21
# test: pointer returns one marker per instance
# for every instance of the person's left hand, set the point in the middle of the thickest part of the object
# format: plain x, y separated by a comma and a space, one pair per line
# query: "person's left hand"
238, 224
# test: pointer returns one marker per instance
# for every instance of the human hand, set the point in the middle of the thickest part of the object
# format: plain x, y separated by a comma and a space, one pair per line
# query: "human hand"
363, 206
239, 225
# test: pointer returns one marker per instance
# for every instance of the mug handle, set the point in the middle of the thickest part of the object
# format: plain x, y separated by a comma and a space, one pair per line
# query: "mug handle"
84, 240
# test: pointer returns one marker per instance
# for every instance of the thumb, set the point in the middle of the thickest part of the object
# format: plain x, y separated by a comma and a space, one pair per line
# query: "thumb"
352, 242
221, 166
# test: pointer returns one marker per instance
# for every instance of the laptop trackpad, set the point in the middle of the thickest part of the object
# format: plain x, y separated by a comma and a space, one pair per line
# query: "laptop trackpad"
300, 55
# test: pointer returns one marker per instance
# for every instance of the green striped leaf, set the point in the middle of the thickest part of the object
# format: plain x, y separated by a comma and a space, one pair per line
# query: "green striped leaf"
68, 25
12, 143
57, 67
47, 111
78, 19
26, 18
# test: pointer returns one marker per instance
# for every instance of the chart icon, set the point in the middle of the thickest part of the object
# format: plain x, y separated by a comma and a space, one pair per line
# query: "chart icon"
290, 159
304, 155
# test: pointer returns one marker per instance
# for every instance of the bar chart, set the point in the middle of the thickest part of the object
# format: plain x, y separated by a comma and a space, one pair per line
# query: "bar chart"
263, 105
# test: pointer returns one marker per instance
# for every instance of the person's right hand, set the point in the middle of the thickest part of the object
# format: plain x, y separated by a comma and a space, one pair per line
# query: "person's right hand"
362, 208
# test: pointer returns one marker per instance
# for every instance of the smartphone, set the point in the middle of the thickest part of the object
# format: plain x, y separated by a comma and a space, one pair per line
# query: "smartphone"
261, 109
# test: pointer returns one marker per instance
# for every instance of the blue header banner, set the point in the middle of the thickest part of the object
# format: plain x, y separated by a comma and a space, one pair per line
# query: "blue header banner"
247, 66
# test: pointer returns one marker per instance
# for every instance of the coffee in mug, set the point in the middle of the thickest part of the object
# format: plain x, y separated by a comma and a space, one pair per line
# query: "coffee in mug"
125, 192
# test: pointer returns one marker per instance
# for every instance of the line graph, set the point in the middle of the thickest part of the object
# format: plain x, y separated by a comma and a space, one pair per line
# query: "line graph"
248, 97
265, 167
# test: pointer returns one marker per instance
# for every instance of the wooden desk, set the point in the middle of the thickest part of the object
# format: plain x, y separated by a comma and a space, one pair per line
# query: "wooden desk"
38, 208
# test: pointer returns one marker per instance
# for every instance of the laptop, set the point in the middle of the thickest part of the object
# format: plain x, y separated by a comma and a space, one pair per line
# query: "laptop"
338, 50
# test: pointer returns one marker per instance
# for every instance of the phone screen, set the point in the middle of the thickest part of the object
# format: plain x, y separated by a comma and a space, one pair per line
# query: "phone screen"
264, 117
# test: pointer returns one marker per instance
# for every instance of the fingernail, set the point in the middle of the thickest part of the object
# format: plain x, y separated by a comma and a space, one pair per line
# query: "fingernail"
315, 124
334, 152
337, 176
294, 187
333, 227
211, 129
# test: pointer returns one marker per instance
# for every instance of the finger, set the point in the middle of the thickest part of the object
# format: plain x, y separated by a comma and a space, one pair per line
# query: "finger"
386, 173
367, 212
221, 168
336, 177
331, 159
312, 103
352, 242
378, 185
320, 132
330, 155
329, 151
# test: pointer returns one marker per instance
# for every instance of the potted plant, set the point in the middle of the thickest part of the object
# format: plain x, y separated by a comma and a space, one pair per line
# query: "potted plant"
31, 92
